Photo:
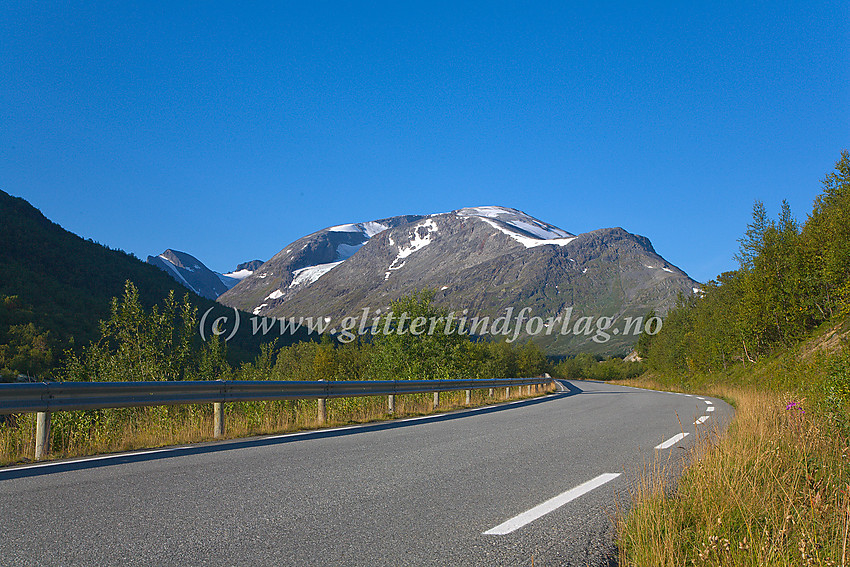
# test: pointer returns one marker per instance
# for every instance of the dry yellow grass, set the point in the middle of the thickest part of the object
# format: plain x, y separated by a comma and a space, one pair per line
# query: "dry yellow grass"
77, 434
773, 490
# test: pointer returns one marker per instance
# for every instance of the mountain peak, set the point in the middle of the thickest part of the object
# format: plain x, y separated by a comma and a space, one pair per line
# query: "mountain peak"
194, 275
517, 224
483, 259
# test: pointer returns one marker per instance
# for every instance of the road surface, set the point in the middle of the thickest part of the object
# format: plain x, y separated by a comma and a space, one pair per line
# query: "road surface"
535, 481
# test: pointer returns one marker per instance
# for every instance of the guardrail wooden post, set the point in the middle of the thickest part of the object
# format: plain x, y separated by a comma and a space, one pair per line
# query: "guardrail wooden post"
218, 420
322, 413
42, 399
391, 403
490, 393
42, 434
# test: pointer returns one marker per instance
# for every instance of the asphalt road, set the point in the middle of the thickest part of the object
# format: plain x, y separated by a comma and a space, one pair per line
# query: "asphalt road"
415, 492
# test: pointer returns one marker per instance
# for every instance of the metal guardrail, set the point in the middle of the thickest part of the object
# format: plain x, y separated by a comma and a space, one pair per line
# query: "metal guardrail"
46, 397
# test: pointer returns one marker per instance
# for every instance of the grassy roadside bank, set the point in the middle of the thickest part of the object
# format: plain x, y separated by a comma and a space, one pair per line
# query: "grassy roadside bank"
774, 490
86, 433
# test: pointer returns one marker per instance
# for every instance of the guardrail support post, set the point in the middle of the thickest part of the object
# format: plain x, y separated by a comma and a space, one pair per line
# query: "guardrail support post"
391, 403
42, 434
323, 414
490, 393
218, 420
436, 399
507, 392
468, 397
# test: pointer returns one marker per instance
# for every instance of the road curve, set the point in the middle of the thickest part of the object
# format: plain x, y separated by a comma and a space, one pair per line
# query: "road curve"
535, 481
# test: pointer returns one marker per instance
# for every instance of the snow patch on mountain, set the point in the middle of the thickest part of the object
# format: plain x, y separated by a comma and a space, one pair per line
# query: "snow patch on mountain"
518, 219
368, 229
527, 241
372, 228
521, 227
345, 228
308, 275
239, 274
227, 281
546, 233
418, 240
276, 294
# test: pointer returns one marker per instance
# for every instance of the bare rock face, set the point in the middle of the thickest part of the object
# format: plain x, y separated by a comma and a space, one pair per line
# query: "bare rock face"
194, 275
484, 260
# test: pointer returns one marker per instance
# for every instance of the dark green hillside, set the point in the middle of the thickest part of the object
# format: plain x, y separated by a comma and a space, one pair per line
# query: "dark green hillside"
64, 284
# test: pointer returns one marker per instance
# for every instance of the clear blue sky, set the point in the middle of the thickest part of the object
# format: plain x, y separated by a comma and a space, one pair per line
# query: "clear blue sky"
229, 130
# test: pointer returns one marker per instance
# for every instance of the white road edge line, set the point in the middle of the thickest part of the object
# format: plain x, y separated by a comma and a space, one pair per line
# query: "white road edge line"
59, 463
701, 420
95, 458
710, 408
550, 505
672, 441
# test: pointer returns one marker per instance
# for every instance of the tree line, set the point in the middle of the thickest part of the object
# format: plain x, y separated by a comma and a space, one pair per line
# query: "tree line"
163, 344
792, 277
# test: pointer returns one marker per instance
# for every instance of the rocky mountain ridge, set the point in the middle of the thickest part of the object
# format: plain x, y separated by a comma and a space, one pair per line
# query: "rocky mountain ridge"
483, 260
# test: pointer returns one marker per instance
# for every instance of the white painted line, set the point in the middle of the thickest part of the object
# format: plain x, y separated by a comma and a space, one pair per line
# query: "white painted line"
701, 420
550, 505
60, 463
710, 408
709, 403
672, 441
700, 398
89, 459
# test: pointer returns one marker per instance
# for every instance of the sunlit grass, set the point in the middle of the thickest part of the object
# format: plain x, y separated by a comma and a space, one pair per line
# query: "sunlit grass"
75, 434
773, 490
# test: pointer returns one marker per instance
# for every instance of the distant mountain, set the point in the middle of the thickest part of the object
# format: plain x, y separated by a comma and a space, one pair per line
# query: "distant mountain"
305, 260
194, 275
243, 270
65, 284
480, 259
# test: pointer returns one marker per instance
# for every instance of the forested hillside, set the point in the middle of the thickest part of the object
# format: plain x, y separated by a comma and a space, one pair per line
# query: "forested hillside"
56, 287
792, 277
772, 338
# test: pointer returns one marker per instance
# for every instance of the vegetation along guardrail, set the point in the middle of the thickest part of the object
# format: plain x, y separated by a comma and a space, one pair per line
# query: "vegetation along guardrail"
47, 397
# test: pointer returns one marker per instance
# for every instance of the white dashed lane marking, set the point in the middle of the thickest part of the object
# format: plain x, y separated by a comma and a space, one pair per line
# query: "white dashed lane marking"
672, 441
550, 505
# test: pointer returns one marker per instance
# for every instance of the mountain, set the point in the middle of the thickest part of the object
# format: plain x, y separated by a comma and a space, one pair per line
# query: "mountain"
64, 284
306, 260
194, 275
243, 270
484, 260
